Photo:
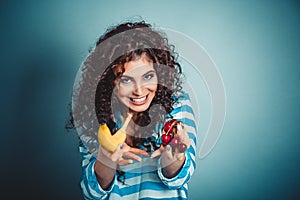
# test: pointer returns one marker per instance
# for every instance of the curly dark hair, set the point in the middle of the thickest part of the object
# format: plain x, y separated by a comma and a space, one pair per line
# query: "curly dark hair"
93, 97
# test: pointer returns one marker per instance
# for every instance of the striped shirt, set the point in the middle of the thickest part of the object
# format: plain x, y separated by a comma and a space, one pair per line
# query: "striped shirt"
145, 180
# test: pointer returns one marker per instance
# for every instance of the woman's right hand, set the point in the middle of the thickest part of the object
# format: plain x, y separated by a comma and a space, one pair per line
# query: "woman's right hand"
123, 155
107, 162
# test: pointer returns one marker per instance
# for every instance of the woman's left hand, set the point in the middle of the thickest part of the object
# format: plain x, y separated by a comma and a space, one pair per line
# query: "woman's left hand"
170, 153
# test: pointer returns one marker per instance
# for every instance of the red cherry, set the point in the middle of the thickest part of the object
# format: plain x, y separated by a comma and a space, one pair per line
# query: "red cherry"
165, 138
175, 121
171, 134
168, 127
174, 142
182, 147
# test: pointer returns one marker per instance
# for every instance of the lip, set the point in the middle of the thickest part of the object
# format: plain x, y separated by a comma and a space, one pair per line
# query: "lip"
139, 101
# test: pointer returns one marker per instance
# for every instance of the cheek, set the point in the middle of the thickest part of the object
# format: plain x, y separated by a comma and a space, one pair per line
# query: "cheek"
123, 91
154, 87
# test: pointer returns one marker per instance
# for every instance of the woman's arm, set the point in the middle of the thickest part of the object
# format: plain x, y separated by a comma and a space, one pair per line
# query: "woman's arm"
90, 186
177, 171
99, 175
174, 168
105, 170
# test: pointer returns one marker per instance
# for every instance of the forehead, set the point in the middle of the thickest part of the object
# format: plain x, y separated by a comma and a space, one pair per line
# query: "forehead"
138, 67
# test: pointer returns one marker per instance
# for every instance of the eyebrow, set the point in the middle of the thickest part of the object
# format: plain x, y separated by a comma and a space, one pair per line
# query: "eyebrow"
151, 71
126, 76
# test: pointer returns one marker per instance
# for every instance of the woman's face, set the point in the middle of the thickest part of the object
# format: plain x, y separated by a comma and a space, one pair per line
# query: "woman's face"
137, 86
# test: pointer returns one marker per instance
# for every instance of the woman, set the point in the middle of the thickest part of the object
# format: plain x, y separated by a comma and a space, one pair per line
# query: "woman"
134, 70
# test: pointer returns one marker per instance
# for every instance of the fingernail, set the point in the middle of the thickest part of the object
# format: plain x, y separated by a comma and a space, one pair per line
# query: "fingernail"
179, 127
130, 161
168, 147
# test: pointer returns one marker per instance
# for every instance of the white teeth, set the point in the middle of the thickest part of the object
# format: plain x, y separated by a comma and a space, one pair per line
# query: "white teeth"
139, 99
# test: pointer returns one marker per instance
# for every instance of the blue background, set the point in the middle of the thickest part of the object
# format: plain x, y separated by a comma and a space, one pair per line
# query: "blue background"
255, 45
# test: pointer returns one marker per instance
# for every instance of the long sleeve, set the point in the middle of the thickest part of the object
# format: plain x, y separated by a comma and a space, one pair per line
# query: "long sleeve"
184, 113
89, 184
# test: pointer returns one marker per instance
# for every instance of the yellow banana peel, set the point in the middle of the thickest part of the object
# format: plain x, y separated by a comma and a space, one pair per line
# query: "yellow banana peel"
111, 142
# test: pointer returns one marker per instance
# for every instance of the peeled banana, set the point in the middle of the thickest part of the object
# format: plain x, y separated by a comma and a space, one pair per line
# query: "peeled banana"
111, 142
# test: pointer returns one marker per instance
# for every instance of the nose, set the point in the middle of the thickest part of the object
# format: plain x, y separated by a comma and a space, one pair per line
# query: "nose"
138, 89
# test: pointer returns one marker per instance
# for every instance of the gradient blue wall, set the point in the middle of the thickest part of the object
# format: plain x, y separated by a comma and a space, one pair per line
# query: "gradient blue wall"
255, 45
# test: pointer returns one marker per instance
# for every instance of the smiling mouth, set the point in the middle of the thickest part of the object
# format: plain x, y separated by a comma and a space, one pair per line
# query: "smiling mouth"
138, 101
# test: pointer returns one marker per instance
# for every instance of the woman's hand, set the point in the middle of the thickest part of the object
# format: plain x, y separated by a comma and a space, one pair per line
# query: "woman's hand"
107, 162
171, 158
174, 152
123, 155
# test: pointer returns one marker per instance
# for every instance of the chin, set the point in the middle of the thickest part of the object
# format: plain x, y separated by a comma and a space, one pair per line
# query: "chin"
139, 108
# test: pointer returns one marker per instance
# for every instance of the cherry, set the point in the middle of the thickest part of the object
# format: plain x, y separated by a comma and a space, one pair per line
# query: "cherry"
165, 138
175, 121
174, 142
182, 147
168, 127
171, 134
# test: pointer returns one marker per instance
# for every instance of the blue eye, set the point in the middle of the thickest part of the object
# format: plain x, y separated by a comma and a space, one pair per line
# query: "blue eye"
149, 76
125, 80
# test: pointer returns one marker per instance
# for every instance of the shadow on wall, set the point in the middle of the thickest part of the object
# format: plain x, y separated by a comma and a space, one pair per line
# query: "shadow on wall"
42, 157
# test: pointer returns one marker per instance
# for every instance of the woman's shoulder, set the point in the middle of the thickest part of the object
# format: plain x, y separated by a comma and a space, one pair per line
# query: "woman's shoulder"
182, 98
182, 104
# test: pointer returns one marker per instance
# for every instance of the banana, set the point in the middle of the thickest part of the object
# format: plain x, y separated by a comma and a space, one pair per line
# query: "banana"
111, 142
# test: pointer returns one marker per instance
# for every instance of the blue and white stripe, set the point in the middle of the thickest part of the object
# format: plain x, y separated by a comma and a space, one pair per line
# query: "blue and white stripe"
145, 180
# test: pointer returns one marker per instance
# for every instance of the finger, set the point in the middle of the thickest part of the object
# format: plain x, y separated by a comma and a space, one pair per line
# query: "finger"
132, 156
183, 135
186, 141
168, 152
179, 126
125, 162
157, 152
138, 151
181, 131
180, 156
117, 154
125, 147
